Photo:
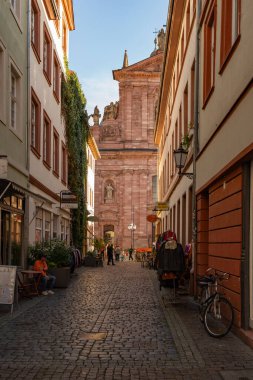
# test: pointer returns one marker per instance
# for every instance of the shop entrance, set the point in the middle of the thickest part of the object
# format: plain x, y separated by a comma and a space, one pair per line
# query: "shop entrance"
5, 222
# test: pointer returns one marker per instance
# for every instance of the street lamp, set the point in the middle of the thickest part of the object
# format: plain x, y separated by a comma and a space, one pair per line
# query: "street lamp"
132, 228
180, 156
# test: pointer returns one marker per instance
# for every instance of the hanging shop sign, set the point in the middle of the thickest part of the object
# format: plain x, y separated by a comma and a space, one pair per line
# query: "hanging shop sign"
161, 206
152, 218
68, 200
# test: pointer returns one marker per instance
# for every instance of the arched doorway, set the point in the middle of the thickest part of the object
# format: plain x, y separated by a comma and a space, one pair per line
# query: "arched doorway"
109, 233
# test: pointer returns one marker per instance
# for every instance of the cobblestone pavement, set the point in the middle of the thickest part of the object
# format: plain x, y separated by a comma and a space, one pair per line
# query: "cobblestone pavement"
112, 324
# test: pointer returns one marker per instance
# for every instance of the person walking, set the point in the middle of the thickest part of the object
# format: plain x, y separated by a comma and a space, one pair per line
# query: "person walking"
117, 253
110, 252
130, 251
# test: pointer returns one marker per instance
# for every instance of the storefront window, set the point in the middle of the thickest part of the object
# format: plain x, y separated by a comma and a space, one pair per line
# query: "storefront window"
62, 229
16, 238
38, 226
47, 226
55, 226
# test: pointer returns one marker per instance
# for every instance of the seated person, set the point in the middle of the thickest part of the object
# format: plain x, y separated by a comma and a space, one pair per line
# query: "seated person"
47, 281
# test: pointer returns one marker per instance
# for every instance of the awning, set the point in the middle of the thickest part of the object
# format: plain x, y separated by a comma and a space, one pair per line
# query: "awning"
8, 188
144, 249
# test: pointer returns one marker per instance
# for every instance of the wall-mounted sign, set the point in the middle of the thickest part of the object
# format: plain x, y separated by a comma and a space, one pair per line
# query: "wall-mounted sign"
68, 200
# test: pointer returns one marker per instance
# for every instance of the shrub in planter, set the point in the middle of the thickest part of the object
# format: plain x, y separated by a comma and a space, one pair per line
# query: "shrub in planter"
58, 259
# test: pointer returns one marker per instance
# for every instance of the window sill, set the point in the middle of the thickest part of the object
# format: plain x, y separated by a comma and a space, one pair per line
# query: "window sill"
64, 182
17, 19
55, 174
206, 100
35, 152
36, 52
229, 54
47, 77
56, 97
46, 164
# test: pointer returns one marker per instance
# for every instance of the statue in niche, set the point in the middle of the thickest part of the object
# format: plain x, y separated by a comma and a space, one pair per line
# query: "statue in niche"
161, 40
109, 191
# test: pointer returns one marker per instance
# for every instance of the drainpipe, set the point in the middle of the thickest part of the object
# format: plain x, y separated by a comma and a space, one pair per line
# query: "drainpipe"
195, 147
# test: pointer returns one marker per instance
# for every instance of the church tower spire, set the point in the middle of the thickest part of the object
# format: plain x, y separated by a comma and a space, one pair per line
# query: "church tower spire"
125, 62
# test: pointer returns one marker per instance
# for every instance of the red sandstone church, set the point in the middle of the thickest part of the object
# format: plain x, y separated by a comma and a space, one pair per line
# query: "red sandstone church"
126, 174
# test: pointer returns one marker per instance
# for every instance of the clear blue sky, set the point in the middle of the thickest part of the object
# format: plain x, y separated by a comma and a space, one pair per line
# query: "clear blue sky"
103, 30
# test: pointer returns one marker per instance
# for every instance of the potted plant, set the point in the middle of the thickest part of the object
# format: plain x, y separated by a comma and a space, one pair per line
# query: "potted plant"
90, 259
58, 259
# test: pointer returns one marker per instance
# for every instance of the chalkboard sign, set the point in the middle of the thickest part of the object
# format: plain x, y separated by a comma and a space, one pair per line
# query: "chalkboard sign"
7, 284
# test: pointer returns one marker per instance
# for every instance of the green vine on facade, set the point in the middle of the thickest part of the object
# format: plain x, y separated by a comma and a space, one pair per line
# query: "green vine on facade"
76, 119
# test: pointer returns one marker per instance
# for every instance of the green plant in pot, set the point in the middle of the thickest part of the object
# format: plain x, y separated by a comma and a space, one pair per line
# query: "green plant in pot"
58, 256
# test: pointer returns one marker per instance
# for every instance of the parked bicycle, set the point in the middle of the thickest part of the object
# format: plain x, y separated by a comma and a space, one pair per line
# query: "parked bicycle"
215, 311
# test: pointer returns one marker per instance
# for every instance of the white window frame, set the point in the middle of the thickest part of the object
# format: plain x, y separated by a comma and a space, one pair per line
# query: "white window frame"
2, 82
17, 98
15, 6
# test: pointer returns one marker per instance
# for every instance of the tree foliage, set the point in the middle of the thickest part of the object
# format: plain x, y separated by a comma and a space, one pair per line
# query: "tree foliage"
76, 118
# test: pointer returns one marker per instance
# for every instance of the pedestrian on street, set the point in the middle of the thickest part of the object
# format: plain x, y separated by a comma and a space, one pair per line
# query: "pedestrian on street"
130, 253
47, 281
110, 252
117, 253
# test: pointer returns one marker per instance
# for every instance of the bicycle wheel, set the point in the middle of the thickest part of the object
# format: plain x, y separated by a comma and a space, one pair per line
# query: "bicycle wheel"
218, 317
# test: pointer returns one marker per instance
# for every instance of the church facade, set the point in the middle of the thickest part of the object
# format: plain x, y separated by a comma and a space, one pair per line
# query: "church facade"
126, 175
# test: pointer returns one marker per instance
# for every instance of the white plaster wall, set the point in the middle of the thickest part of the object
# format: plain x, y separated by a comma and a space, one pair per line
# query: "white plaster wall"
237, 132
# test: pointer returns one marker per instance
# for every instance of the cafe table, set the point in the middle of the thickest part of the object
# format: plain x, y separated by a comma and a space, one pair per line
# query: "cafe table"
29, 283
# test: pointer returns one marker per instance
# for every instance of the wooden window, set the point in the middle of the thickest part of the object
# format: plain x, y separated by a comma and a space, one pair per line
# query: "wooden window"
186, 110
35, 124
209, 53
182, 47
15, 99
47, 55
187, 20
16, 9
2, 83
46, 141
57, 21
56, 78
168, 168
64, 37
63, 163
174, 86
178, 220
230, 27
192, 93
47, 226
180, 123
176, 135
56, 153
173, 148
39, 225
35, 28
177, 66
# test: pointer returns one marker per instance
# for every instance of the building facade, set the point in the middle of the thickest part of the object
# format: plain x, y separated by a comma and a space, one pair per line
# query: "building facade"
224, 160
50, 24
14, 158
219, 140
92, 155
125, 180
175, 120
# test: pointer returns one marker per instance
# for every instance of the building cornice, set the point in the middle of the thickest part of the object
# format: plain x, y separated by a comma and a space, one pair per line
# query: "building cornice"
174, 23
69, 12
93, 146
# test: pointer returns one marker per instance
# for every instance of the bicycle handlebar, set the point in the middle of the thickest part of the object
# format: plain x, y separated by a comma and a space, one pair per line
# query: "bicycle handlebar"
219, 274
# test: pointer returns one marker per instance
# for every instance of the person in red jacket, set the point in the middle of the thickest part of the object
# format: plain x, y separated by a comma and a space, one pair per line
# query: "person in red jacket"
47, 281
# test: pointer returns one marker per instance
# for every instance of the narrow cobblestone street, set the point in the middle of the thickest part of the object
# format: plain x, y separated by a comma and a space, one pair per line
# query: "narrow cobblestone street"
111, 324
